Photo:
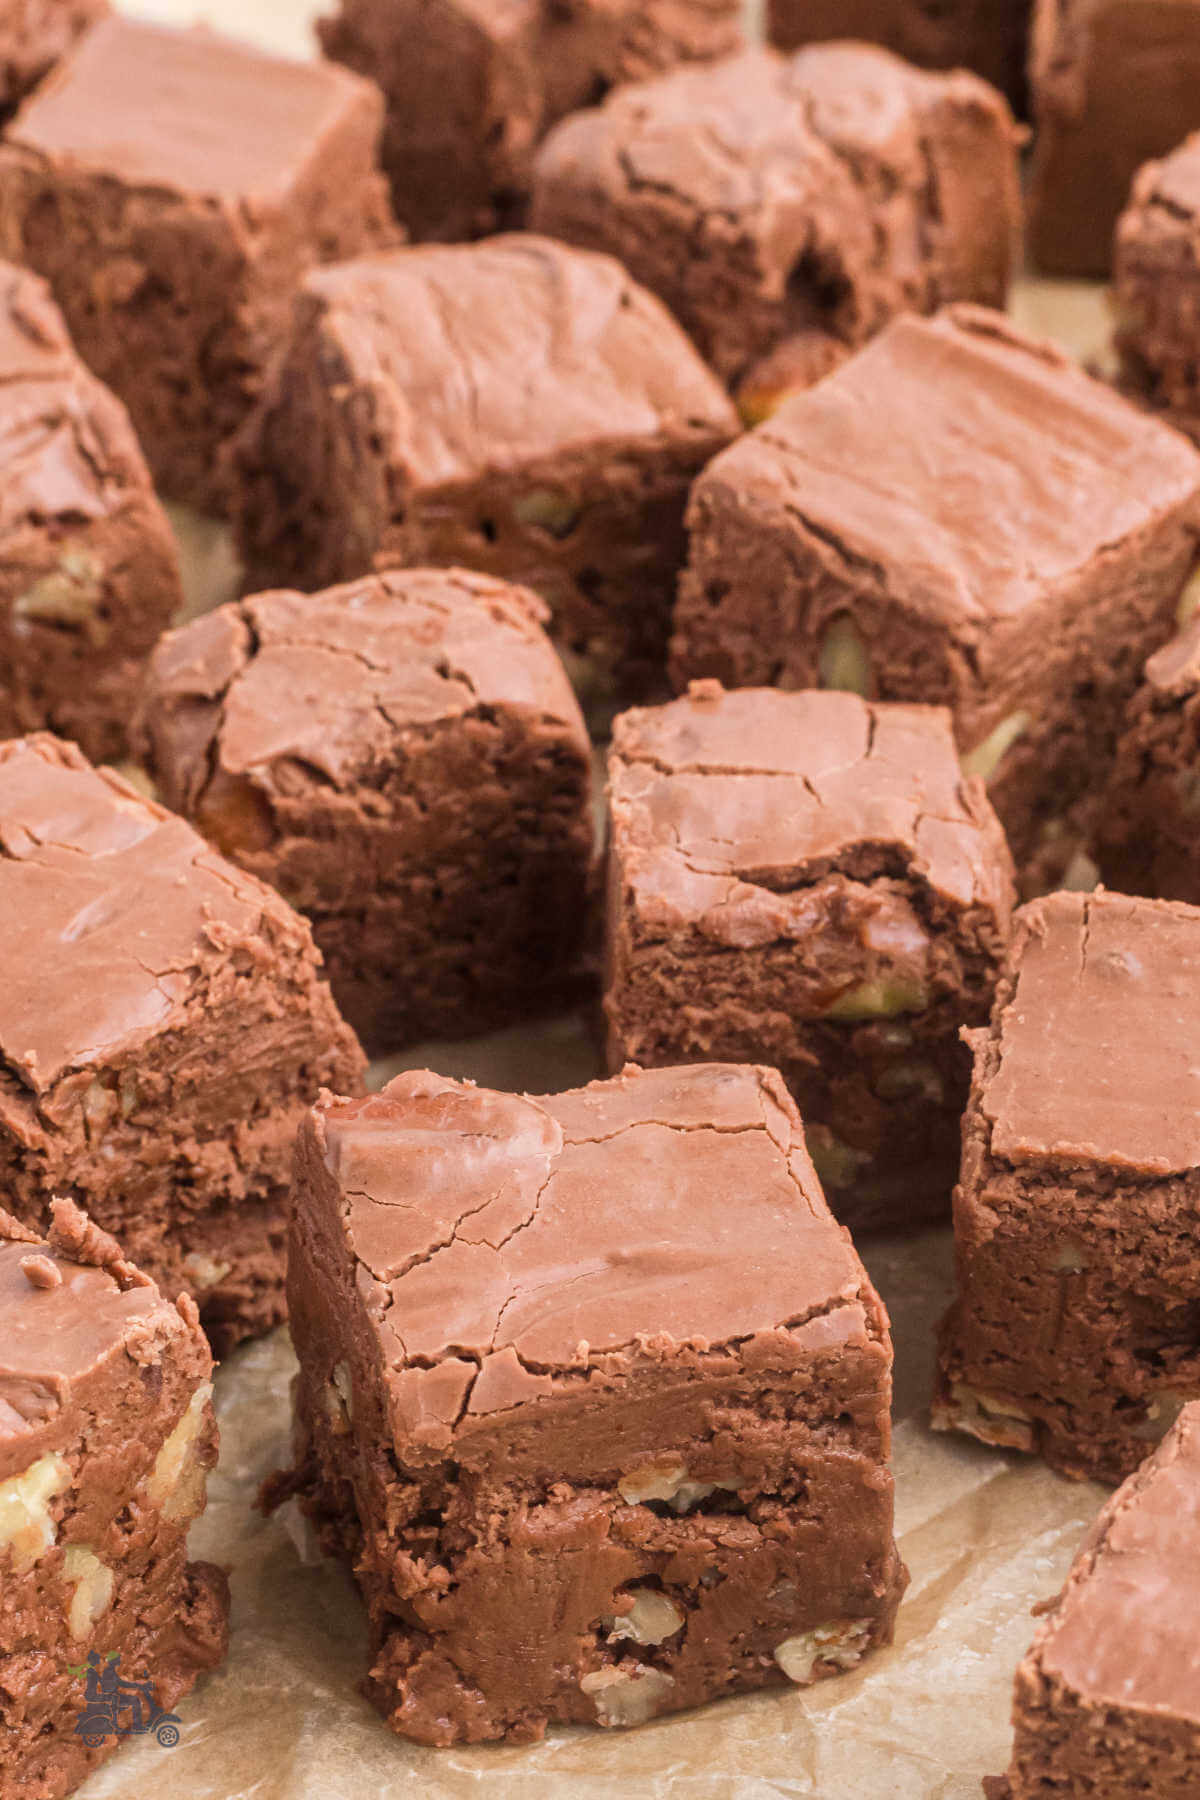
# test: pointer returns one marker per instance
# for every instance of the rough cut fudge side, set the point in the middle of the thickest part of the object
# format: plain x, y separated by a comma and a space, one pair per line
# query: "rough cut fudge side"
405, 760
34, 36
761, 197
1019, 569
1076, 1331
1114, 83
1107, 1702
515, 407
807, 881
632, 1452
163, 1023
107, 1436
1156, 284
173, 187
1147, 838
465, 114
89, 574
988, 36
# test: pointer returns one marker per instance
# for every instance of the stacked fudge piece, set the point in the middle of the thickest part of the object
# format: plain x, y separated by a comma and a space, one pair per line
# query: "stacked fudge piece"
1146, 839
1156, 282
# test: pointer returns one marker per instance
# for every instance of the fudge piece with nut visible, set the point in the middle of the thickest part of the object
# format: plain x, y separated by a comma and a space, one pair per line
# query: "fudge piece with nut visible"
107, 1436
1076, 1330
594, 1395
808, 880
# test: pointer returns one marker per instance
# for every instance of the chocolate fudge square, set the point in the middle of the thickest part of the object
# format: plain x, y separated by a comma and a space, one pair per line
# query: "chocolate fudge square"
1114, 83
1076, 1331
594, 1394
515, 407
466, 112
988, 36
163, 1025
1147, 839
765, 197
34, 36
107, 1436
956, 515
807, 880
173, 186
89, 574
1107, 1702
1156, 284
405, 760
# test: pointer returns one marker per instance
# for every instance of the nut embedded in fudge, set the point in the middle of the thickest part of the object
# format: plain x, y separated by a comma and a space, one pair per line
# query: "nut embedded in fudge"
1107, 1702
1156, 287
107, 1436
173, 186
34, 36
1113, 83
594, 1393
405, 760
762, 196
807, 880
89, 574
163, 1025
514, 406
956, 515
465, 115
1146, 840
1076, 1331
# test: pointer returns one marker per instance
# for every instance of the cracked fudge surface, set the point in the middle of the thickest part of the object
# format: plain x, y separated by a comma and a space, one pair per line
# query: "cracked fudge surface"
107, 1436
764, 198
1146, 839
1107, 1701
1113, 83
405, 760
1076, 1331
34, 36
808, 881
516, 407
1156, 282
163, 1023
89, 574
595, 1395
1019, 569
987, 36
173, 187
465, 116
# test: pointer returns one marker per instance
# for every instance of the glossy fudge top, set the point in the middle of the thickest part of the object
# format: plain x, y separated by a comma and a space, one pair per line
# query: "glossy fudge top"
112, 906
1095, 1046
530, 1234
330, 679
186, 111
1124, 1631
967, 467
493, 355
720, 791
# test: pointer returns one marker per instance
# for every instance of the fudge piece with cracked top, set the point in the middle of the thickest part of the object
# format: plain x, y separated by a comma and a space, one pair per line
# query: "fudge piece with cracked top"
1018, 565
1107, 1702
1156, 288
34, 36
173, 187
514, 406
1146, 839
594, 1394
465, 115
163, 1025
766, 197
1076, 1330
405, 760
107, 1436
809, 881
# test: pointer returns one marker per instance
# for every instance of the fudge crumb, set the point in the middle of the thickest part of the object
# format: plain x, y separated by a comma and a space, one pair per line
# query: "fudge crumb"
40, 1272
75, 1237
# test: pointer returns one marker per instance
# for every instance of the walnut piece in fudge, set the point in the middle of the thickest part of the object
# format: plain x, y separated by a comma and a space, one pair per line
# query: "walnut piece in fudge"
404, 759
595, 1395
807, 880
1156, 284
107, 1436
516, 407
1107, 1701
762, 196
163, 1025
89, 574
1114, 83
1075, 1332
1147, 839
34, 36
956, 515
173, 187
465, 115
